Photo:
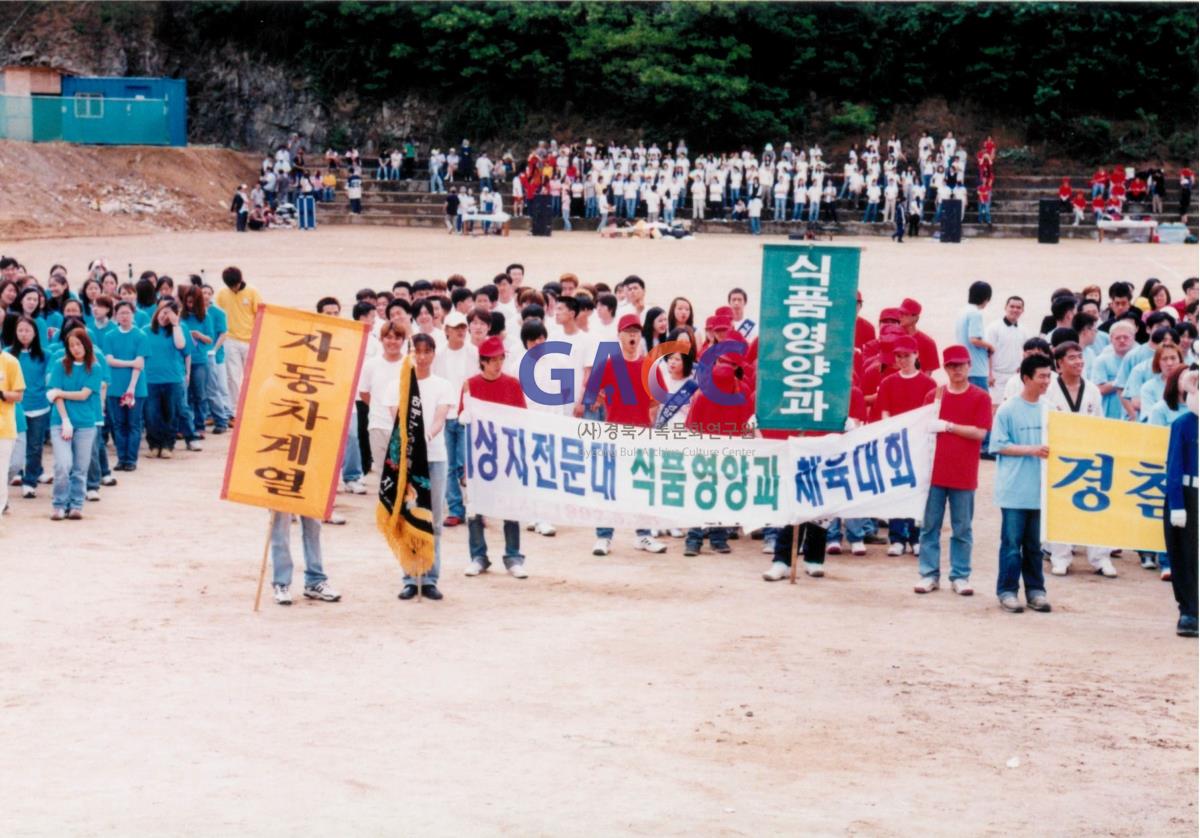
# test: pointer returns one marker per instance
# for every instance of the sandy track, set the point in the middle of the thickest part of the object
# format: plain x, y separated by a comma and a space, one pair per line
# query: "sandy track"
643, 694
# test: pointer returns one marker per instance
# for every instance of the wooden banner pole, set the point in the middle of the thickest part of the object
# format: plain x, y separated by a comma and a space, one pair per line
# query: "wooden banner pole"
262, 570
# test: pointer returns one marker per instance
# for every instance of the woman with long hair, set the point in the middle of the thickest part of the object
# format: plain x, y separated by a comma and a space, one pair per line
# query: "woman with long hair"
59, 291
88, 292
98, 472
167, 362
199, 328
27, 347
654, 328
31, 303
73, 384
681, 313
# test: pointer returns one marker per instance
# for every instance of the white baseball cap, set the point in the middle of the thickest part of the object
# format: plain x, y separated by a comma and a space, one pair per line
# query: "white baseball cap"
454, 319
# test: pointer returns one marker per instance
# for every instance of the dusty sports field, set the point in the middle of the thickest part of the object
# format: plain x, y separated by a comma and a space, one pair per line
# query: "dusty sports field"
650, 695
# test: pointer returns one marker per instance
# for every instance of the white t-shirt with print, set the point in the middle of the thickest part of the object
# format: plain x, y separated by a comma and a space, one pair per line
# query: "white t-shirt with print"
435, 391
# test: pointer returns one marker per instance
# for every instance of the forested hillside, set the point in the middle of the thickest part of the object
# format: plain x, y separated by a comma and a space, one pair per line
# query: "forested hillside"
1085, 80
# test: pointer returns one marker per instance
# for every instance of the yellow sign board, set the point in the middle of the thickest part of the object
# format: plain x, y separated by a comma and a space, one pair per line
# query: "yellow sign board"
1104, 482
295, 402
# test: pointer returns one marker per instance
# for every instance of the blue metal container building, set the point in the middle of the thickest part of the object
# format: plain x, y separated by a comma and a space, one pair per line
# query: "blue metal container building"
125, 110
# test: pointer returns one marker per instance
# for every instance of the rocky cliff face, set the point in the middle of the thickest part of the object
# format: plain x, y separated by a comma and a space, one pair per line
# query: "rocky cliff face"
236, 97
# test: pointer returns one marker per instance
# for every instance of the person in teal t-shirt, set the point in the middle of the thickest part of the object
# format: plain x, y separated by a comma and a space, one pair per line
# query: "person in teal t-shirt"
34, 361
1017, 442
219, 407
168, 350
199, 329
125, 348
72, 385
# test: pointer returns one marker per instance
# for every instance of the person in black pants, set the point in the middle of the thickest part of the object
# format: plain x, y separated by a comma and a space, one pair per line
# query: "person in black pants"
1179, 519
811, 547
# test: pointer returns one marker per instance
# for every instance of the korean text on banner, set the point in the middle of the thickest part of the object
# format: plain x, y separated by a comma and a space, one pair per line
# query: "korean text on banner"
601, 474
1104, 482
806, 340
291, 420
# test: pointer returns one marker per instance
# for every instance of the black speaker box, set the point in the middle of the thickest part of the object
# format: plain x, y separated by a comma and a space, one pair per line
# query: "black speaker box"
1048, 220
951, 223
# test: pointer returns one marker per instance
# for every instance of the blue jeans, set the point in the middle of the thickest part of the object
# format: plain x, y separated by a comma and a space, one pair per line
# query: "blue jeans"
352, 456
717, 536
435, 181
217, 394
780, 209
814, 210
36, 428
71, 460
797, 211
164, 404
590, 208
98, 466
902, 531
126, 429
755, 225
872, 213
985, 213
618, 206
456, 451
437, 505
607, 532
281, 551
668, 211
197, 397
478, 546
962, 511
857, 529
1020, 552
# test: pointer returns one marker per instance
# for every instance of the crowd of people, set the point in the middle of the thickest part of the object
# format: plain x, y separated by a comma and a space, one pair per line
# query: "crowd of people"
150, 364
1114, 194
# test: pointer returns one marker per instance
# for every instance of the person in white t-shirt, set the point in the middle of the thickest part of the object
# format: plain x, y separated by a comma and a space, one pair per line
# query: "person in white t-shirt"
379, 388
457, 362
1008, 338
437, 397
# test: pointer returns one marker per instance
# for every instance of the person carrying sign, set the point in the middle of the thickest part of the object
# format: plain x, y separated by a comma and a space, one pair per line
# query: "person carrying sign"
964, 417
492, 385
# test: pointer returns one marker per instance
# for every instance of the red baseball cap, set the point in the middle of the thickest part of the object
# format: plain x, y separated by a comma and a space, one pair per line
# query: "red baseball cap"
910, 307
629, 321
955, 355
904, 344
889, 314
891, 329
493, 347
724, 311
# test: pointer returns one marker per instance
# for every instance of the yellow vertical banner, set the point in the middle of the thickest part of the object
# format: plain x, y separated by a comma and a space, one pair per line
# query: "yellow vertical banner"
296, 399
1104, 482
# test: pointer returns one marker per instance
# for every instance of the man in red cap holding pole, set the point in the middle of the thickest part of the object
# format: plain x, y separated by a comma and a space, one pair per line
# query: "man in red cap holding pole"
964, 417
927, 353
492, 385
638, 411
900, 392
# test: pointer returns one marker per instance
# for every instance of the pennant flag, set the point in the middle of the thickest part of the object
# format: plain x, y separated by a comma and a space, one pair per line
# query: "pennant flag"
404, 515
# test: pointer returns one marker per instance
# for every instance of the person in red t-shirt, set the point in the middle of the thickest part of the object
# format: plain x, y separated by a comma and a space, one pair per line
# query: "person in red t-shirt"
964, 419
1064, 195
1078, 206
1098, 208
622, 410
901, 392
863, 330
1099, 183
927, 353
492, 385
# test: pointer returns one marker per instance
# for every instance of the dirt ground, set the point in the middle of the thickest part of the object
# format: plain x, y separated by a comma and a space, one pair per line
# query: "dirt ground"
648, 695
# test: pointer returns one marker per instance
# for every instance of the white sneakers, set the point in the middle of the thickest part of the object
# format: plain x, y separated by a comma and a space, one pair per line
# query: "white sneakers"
675, 533
650, 545
776, 571
356, 487
896, 549
283, 596
1059, 569
858, 548
814, 569
927, 585
518, 571
92, 494
602, 546
916, 549
29, 492
962, 587
1105, 568
544, 529
322, 591
474, 569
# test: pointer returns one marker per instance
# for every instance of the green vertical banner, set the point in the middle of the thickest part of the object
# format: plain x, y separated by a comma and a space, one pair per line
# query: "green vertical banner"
806, 337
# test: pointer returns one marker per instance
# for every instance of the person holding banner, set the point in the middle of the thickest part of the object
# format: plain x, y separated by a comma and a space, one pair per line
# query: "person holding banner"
621, 377
316, 584
492, 385
437, 397
1071, 393
1180, 501
964, 417
1016, 440
901, 392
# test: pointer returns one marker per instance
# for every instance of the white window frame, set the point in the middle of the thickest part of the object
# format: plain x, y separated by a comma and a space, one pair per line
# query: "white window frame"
89, 112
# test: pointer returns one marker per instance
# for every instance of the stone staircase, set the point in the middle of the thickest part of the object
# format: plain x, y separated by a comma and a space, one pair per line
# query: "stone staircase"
409, 203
